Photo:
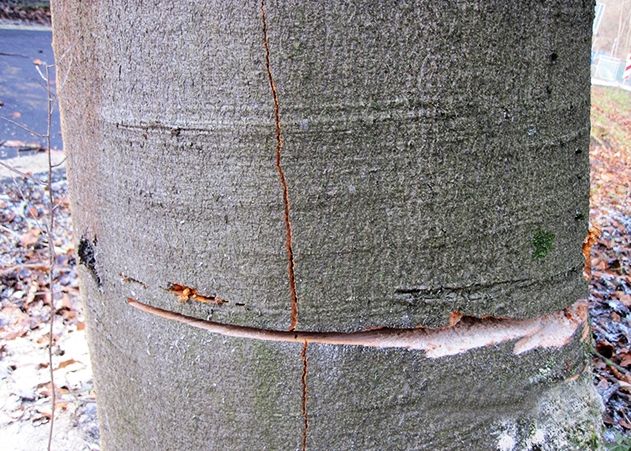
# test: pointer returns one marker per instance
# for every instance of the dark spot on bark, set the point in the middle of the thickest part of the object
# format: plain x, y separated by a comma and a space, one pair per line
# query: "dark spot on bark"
553, 57
578, 216
578, 151
87, 257
176, 131
548, 91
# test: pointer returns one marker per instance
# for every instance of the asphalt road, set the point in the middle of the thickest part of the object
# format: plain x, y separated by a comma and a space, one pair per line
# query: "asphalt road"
22, 90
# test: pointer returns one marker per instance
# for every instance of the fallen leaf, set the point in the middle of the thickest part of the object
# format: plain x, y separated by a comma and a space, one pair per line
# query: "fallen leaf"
66, 363
588, 242
30, 238
624, 298
32, 291
625, 424
615, 317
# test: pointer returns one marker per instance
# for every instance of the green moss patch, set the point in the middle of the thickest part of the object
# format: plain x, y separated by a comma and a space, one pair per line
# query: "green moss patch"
542, 244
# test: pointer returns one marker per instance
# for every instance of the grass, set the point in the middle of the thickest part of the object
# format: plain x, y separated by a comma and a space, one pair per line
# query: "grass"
611, 116
610, 150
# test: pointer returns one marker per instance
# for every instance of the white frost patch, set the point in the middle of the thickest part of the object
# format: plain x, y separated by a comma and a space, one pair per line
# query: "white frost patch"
506, 442
536, 439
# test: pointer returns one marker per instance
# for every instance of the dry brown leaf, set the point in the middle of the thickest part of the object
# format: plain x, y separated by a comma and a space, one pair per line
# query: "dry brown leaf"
615, 317
599, 264
33, 213
624, 298
624, 385
625, 424
30, 238
14, 334
620, 375
588, 242
69, 315
32, 291
66, 363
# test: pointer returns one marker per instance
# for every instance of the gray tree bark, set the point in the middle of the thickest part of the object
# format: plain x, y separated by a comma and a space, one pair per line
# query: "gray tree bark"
332, 225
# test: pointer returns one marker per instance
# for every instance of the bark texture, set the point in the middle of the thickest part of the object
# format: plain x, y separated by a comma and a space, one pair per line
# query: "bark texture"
328, 167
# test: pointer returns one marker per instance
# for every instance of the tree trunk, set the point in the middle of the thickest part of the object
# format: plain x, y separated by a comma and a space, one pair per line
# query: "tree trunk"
332, 225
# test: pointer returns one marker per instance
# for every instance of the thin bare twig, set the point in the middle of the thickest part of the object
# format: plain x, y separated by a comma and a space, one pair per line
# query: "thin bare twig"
19, 55
23, 127
12, 232
41, 74
60, 86
56, 165
63, 55
20, 173
51, 256
34, 266
609, 362
23, 197
30, 266
19, 190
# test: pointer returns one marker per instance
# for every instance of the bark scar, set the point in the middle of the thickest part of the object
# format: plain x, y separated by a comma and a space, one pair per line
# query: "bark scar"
185, 294
553, 330
128, 279
87, 257
281, 175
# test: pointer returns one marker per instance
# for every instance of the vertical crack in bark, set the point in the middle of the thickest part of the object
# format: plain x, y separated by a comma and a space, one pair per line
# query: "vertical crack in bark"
305, 415
281, 176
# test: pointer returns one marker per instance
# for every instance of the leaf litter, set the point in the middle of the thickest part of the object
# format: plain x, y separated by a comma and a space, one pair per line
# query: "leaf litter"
610, 264
25, 311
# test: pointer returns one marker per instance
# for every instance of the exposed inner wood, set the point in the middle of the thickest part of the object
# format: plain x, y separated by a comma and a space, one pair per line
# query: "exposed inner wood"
551, 330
